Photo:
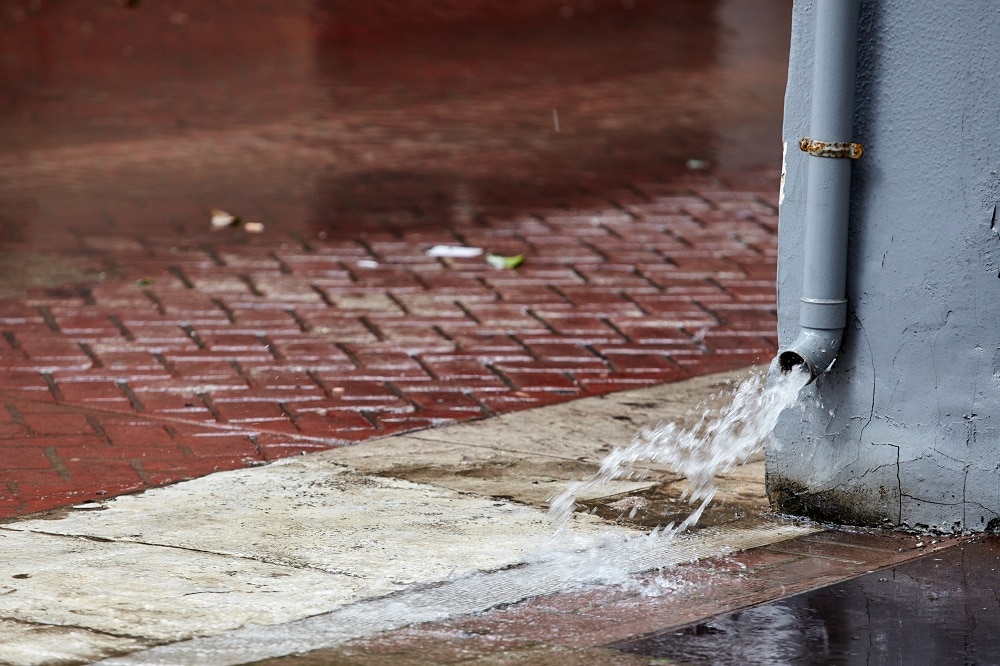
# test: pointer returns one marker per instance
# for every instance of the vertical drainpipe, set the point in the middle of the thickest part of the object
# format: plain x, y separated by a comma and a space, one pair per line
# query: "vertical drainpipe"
823, 313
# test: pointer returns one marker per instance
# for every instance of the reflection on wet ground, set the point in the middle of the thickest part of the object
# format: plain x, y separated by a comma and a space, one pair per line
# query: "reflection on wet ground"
323, 116
940, 609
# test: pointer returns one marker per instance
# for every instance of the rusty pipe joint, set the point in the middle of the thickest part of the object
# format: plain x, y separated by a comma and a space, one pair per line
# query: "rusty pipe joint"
822, 324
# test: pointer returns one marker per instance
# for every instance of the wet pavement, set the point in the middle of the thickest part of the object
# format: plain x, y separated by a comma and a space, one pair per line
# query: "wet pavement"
313, 551
940, 609
918, 607
345, 556
629, 150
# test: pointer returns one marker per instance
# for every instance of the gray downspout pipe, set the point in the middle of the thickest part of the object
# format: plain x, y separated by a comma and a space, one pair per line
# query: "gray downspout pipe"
823, 310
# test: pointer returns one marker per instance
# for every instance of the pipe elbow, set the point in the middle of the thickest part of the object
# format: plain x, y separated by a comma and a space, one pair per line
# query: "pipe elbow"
815, 349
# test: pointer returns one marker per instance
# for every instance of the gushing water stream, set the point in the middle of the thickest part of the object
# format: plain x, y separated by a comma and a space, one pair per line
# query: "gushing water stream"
719, 441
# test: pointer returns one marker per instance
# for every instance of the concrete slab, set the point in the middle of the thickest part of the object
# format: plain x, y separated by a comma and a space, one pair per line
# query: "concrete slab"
318, 535
139, 592
608, 563
28, 644
310, 514
529, 456
261, 546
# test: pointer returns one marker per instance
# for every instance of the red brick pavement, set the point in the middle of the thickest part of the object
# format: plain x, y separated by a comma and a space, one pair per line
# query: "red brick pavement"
225, 350
139, 348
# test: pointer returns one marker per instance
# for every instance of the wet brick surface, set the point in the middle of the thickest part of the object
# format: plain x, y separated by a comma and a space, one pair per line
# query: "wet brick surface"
629, 150
214, 352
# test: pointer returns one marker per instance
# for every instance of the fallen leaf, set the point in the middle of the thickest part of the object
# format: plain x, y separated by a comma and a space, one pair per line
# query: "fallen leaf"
502, 262
144, 282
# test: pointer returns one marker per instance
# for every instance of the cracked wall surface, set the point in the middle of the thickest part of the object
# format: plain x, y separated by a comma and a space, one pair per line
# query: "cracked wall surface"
904, 430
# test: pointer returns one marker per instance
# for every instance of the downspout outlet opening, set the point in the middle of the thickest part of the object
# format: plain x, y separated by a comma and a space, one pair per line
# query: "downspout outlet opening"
814, 351
789, 360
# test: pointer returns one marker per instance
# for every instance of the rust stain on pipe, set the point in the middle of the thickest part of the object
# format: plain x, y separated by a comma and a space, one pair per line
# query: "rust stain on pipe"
830, 149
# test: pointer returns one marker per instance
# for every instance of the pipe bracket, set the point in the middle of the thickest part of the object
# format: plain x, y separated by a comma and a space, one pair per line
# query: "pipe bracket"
851, 151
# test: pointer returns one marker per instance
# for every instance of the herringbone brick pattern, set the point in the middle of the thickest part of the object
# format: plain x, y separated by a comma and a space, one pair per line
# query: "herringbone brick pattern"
220, 351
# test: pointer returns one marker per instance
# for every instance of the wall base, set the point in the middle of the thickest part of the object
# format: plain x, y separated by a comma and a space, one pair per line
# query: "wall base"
859, 507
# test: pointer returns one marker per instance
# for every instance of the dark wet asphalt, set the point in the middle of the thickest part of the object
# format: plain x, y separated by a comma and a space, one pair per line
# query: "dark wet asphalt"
941, 609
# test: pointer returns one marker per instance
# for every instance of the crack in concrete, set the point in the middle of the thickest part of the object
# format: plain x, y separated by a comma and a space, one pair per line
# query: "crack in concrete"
871, 355
927, 501
949, 457
899, 486
936, 503
142, 640
188, 549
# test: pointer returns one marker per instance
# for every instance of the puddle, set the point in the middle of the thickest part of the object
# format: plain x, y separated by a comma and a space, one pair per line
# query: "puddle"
661, 505
772, 634
939, 609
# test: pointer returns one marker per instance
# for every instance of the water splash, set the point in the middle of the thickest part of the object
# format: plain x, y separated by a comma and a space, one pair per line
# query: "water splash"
718, 442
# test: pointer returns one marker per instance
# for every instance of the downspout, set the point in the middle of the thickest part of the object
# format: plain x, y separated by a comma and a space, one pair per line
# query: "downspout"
823, 311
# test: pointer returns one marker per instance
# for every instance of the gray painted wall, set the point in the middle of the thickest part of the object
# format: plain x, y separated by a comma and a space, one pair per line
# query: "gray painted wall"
908, 433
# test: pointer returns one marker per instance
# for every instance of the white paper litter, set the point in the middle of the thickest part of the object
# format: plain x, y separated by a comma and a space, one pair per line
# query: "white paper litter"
454, 251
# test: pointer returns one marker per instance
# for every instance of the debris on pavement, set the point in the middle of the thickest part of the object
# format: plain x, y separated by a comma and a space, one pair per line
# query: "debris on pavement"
454, 251
505, 262
221, 220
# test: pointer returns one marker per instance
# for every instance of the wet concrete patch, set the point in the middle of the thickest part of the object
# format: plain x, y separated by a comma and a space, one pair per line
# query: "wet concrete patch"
663, 505
530, 456
611, 561
23, 273
446, 653
938, 609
